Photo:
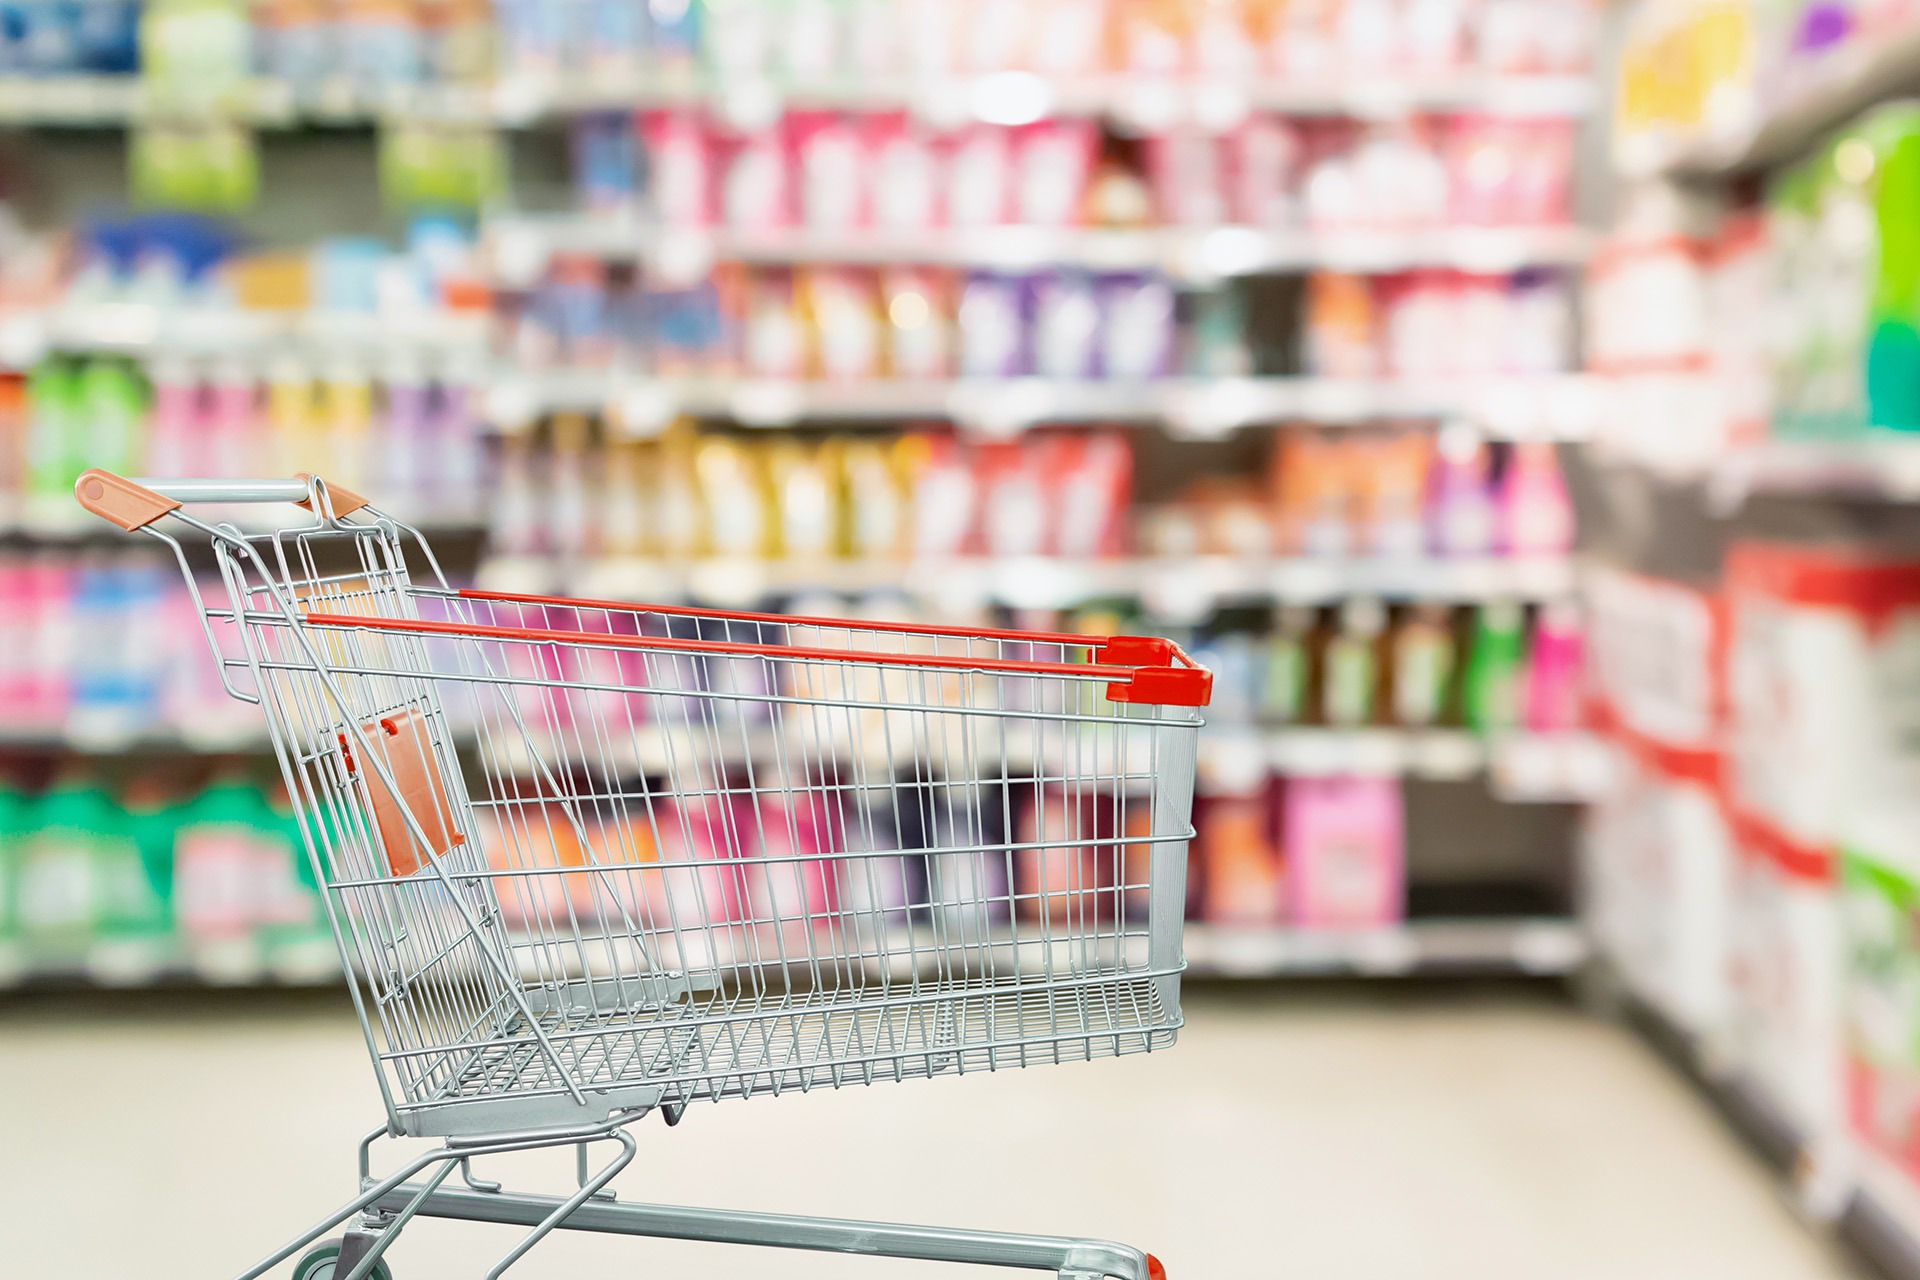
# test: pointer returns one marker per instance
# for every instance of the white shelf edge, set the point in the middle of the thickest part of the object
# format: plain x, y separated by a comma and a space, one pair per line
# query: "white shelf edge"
1547, 406
1542, 946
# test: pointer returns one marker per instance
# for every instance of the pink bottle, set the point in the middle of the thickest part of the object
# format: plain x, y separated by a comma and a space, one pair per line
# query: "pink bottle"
1461, 518
1556, 660
232, 433
174, 445
1536, 516
1345, 845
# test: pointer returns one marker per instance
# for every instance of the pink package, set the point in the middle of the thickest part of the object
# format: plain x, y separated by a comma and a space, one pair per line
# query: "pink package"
756, 186
830, 164
1399, 175
1053, 161
905, 162
680, 165
1345, 846
979, 177
1188, 170
1267, 154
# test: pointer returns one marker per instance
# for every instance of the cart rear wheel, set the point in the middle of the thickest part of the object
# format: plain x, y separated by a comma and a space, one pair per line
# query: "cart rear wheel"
322, 1263
1155, 1271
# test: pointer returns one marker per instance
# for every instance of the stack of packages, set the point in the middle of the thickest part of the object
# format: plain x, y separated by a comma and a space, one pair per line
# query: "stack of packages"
1755, 876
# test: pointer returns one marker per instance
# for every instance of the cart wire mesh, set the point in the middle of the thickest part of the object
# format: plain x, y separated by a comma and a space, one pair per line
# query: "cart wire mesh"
591, 853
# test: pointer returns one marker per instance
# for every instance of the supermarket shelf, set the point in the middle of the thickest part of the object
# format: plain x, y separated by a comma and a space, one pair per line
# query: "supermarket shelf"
520, 248
113, 101
1015, 97
103, 101
1543, 946
1545, 406
146, 330
1844, 83
1524, 768
1179, 587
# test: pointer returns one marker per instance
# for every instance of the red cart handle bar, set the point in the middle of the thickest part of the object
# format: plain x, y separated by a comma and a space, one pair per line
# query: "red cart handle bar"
1139, 669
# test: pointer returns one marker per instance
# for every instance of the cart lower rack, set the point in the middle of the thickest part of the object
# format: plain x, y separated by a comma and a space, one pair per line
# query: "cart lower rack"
586, 860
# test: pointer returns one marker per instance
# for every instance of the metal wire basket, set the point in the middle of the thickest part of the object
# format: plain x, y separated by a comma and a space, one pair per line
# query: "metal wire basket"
587, 859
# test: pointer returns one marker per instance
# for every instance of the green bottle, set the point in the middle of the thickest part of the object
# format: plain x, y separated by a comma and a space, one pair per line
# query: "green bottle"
1491, 683
143, 900
55, 440
1285, 673
13, 812
112, 401
72, 866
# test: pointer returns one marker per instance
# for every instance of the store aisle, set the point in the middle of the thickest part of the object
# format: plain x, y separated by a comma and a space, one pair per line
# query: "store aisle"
1330, 1135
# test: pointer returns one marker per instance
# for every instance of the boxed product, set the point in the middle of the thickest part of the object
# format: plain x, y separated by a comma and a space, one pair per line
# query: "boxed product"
1784, 974
1657, 658
1823, 679
1658, 868
1880, 911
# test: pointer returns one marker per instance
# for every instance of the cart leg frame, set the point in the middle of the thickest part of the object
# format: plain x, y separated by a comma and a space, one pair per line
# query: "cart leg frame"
1071, 1259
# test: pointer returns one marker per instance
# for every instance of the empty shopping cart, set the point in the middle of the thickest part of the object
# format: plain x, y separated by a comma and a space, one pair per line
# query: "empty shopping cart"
588, 860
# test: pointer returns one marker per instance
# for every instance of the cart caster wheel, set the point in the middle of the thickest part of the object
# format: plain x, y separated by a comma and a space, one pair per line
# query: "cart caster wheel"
322, 1263
1156, 1269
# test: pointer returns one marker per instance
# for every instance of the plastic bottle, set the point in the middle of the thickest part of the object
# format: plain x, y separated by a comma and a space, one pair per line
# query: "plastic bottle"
1462, 514
1536, 515
1422, 669
55, 442
1348, 694
1491, 682
173, 443
1283, 678
1554, 669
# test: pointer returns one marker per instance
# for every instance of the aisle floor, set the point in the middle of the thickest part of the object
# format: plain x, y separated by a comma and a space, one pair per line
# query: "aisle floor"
1337, 1135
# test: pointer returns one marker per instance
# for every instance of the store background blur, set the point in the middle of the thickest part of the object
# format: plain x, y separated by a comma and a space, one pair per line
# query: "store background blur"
1508, 400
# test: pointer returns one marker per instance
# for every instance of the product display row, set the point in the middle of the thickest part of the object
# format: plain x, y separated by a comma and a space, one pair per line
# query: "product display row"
917, 324
570, 491
1707, 333
832, 172
409, 442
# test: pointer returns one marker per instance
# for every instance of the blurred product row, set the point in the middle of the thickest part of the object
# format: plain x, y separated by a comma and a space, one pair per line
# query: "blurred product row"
203, 46
1391, 494
851, 324
833, 172
1698, 305
104, 650
205, 876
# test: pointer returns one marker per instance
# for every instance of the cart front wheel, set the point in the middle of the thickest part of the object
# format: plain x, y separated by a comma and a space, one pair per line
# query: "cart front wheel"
322, 1263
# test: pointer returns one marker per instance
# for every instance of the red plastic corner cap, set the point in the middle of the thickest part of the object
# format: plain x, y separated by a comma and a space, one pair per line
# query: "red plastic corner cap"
1164, 676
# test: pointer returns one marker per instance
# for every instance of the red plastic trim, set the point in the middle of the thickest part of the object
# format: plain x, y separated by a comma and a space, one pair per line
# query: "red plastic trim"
1134, 684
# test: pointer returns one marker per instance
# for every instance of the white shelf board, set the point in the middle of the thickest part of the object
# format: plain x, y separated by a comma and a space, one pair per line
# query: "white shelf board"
521, 246
1505, 406
1531, 945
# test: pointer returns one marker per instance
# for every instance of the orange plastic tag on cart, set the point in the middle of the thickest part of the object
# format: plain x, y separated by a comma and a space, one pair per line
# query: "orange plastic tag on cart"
406, 748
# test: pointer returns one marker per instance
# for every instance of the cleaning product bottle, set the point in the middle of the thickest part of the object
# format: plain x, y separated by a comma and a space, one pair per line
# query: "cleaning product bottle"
173, 445
1347, 696
1554, 669
113, 407
1284, 675
1491, 683
1536, 516
1422, 667
55, 440
1461, 515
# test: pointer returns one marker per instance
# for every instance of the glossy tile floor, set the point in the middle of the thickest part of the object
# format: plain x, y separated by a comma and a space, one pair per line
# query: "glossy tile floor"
1326, 1133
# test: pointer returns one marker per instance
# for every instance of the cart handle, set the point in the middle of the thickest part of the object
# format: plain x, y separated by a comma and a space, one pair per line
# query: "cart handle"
1140, 669
135, 504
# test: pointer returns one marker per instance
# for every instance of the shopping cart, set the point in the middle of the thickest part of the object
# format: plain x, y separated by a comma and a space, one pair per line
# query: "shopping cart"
587, 860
